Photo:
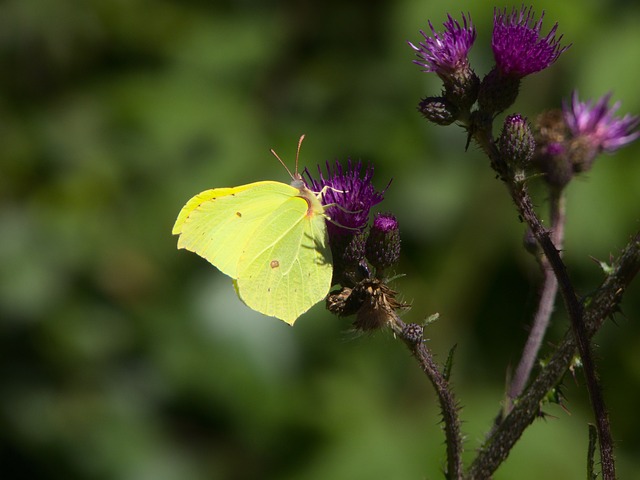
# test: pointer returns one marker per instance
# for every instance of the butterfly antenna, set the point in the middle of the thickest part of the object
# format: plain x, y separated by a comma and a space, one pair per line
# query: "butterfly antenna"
283, 164
298, 153
292, 175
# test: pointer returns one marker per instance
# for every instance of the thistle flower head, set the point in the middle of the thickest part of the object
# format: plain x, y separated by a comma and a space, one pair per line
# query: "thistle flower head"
445, 53
596, 123
518, 48
349, 194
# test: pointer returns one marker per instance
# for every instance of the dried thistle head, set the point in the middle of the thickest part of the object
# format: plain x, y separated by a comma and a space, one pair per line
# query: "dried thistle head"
371, 300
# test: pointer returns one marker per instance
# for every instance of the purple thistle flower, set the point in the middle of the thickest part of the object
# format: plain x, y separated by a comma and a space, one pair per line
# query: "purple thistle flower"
517, 46
596, 123
446, 53
351, 195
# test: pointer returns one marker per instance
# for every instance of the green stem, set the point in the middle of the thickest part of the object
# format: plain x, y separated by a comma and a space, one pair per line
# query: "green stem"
519, 194
602, 304
451, 422
545, 306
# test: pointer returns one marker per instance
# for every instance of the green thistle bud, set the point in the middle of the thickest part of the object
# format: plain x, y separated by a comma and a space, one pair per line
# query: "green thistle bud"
516, 143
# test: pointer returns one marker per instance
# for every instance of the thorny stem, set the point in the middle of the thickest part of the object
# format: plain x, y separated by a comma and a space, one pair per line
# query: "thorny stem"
547, 300
601, 305
450, 420
522, 200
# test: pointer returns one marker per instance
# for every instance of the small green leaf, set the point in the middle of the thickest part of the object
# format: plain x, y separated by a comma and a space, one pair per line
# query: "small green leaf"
446, 373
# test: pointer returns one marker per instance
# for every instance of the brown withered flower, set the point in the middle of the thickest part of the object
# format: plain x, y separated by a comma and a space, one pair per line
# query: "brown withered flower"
371, 300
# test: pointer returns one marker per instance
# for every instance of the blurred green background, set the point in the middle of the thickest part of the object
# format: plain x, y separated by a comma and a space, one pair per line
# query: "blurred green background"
124, 358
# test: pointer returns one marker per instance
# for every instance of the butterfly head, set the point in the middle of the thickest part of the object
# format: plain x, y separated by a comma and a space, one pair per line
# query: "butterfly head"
298, 182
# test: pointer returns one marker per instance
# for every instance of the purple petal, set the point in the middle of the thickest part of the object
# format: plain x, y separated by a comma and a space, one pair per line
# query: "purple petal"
597, 123
517, 46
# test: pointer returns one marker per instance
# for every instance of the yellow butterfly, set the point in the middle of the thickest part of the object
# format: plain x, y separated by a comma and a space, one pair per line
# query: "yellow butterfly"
269, 237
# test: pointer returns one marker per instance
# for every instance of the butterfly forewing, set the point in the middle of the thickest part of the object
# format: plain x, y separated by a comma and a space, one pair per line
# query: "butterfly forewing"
217, 224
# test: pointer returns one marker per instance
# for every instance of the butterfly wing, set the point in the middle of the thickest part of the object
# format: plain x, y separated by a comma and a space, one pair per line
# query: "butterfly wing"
217, 224
286, 268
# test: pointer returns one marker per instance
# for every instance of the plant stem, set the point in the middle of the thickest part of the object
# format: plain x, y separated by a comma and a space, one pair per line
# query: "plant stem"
520, 196
547, 300
602, 304
449, 410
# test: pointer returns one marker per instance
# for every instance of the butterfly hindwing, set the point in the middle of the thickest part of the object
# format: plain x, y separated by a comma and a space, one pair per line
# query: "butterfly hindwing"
287, 268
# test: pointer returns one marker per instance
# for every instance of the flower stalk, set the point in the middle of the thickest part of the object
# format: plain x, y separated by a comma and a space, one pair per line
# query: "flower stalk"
412, 336
520, 196
565, 144
545, 306
604, 303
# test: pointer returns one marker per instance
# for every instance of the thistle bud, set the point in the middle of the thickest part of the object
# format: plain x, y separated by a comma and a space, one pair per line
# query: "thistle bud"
383, 244
438, 110
516, 143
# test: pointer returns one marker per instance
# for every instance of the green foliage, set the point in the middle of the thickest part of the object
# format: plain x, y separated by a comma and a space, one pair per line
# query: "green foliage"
123, 357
